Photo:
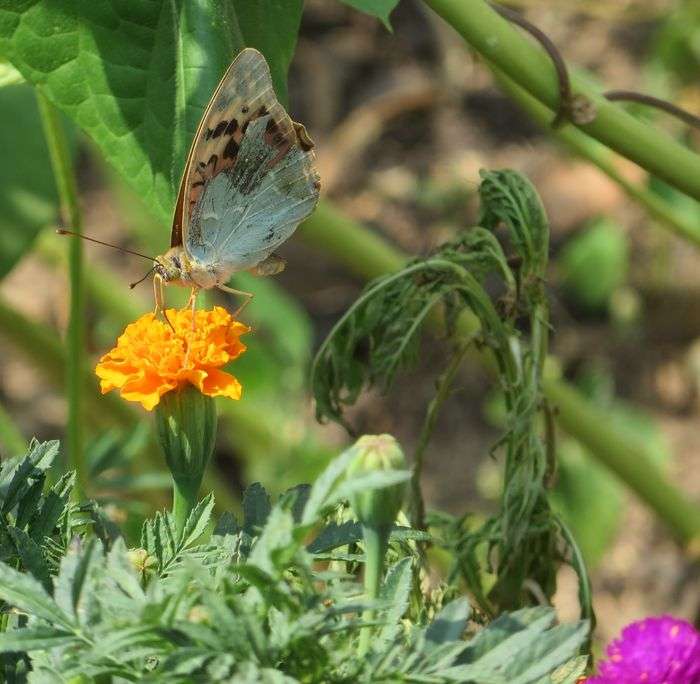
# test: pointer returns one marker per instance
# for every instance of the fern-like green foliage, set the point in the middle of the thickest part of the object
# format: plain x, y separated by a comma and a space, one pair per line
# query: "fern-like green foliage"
37, 521
242, 601
380, 334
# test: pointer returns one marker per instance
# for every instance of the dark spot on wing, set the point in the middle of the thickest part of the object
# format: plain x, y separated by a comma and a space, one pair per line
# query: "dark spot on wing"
231, 128
196, 184
220, 128
231, 149
271, 127
274, 136
245, 126
317, 184
212, 160
244, 109
263, 111
202, 164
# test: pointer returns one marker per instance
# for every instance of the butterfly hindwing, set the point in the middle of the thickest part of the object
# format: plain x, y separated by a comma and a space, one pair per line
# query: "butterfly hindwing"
250, 177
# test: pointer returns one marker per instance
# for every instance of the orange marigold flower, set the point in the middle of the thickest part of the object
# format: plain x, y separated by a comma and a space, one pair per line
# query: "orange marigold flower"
150, 359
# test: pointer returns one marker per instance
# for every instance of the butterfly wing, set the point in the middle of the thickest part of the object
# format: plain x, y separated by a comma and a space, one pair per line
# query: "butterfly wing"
250, 177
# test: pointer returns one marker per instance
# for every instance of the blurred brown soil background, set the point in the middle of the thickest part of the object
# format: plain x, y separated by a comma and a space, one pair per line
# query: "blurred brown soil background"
403, 122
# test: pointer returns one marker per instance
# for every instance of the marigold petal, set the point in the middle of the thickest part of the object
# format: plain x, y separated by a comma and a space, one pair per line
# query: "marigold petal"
221, 384
194, 377
114, 373
147, 390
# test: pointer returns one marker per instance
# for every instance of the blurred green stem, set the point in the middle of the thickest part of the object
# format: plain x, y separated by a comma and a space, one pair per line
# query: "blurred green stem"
528, 65
11, 438
45, 353
64, 176
625, 454
599, 155
363, 252
328, 229
376, 540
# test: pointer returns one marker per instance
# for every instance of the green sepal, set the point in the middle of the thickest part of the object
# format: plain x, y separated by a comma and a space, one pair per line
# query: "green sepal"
186, 429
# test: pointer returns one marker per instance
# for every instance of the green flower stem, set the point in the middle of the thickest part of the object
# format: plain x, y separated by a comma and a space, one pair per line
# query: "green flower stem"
376, 540
599, 155
11, 438
524, 61
330, 230
64, 176
185, 498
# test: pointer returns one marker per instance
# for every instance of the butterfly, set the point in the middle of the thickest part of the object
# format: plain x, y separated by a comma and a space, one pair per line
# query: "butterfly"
249, 181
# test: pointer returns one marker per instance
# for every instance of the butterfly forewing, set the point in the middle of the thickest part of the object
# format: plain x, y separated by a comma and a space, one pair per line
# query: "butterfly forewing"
250, 177
248, 211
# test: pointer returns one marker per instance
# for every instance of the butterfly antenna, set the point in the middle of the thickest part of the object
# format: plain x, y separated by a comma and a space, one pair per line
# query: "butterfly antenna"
140, 280
63, 231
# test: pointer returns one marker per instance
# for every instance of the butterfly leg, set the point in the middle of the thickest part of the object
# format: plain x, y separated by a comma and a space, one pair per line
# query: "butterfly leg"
157, 294
192, 302
248, 296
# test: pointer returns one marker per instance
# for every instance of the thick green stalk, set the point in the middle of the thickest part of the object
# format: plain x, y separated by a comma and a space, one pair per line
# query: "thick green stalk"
599, 155
62, 166
365, 253
627, 455
185, 498
524, 61
682, 517
376, 540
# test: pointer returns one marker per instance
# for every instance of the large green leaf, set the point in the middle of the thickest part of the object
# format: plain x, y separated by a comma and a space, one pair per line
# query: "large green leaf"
28, 197
136, 75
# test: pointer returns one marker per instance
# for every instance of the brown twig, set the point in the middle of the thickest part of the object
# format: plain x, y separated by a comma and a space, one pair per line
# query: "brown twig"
670, 108
565, 95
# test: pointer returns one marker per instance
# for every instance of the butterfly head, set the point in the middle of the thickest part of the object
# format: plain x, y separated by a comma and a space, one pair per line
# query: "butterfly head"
172, 266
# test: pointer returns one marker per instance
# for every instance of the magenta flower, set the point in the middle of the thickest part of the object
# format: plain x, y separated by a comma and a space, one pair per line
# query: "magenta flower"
657, 650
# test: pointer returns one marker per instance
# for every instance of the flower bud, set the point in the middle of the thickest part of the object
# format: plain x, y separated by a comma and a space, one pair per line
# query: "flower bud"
377, 453
186, 429
141, 561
